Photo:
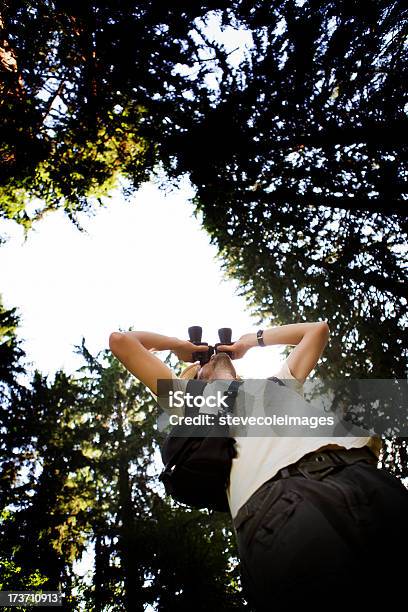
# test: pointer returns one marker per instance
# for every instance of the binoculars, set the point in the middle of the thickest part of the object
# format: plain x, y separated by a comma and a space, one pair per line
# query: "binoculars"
195, 334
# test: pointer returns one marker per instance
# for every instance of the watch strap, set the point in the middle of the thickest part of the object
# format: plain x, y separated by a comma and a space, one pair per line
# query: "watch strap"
259, 337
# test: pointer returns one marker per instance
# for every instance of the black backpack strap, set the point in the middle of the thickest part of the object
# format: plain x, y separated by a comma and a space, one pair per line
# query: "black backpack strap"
196, 385
231, 394
277, 380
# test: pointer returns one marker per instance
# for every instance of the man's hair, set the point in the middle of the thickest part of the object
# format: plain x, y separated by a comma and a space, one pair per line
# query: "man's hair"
191, 371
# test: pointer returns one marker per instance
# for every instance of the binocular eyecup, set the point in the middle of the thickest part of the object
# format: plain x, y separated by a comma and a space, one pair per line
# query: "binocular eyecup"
195, 334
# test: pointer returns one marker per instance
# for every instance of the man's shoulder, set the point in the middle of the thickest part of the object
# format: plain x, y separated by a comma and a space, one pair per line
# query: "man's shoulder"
284, 374
172, 384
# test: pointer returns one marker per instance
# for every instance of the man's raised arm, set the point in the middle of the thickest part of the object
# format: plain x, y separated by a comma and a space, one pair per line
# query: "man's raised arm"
310, 340
133, 349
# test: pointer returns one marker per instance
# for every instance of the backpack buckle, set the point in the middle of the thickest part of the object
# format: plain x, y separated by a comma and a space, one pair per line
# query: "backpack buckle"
315, 475
318, 465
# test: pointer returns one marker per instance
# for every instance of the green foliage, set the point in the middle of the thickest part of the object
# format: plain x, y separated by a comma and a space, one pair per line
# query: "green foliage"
304, 192
84, 473
90, 93
299, 164
13, 577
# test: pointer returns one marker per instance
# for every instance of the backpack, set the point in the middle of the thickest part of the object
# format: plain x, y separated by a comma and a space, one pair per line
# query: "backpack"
197, 467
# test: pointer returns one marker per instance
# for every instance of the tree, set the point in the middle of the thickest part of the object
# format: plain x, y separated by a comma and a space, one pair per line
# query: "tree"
172, 557
304, 193
90, 91
27, 500
79, 470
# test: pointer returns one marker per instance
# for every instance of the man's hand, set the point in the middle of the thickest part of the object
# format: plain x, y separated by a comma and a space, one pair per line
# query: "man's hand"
185, 349
239, 348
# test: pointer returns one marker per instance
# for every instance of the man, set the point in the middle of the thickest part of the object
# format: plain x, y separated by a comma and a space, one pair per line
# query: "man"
316, 520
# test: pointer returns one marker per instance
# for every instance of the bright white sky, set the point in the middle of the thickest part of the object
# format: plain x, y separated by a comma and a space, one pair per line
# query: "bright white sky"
145, 263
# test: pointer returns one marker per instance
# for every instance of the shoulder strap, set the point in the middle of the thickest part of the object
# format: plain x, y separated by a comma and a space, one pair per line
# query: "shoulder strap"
277, 380
196, 385
231, 393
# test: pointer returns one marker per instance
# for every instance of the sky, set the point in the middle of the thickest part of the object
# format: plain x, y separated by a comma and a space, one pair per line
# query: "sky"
145, 263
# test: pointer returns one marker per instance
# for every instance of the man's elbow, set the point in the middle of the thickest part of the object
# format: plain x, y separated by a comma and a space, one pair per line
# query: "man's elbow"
325, 326
324, 329
115, 340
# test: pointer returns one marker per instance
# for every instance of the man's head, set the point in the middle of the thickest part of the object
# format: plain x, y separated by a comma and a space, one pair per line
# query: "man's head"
220, 366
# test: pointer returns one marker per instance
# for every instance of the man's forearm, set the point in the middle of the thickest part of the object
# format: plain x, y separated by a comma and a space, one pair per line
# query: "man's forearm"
151, 340
286, 334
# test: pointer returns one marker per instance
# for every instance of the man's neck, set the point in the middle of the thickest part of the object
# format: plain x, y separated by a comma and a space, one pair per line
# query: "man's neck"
222, 376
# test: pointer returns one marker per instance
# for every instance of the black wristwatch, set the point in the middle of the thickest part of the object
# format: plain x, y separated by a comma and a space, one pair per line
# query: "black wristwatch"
259, 337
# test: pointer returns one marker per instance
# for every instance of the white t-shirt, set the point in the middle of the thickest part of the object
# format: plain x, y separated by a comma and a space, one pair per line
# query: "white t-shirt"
260, 458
